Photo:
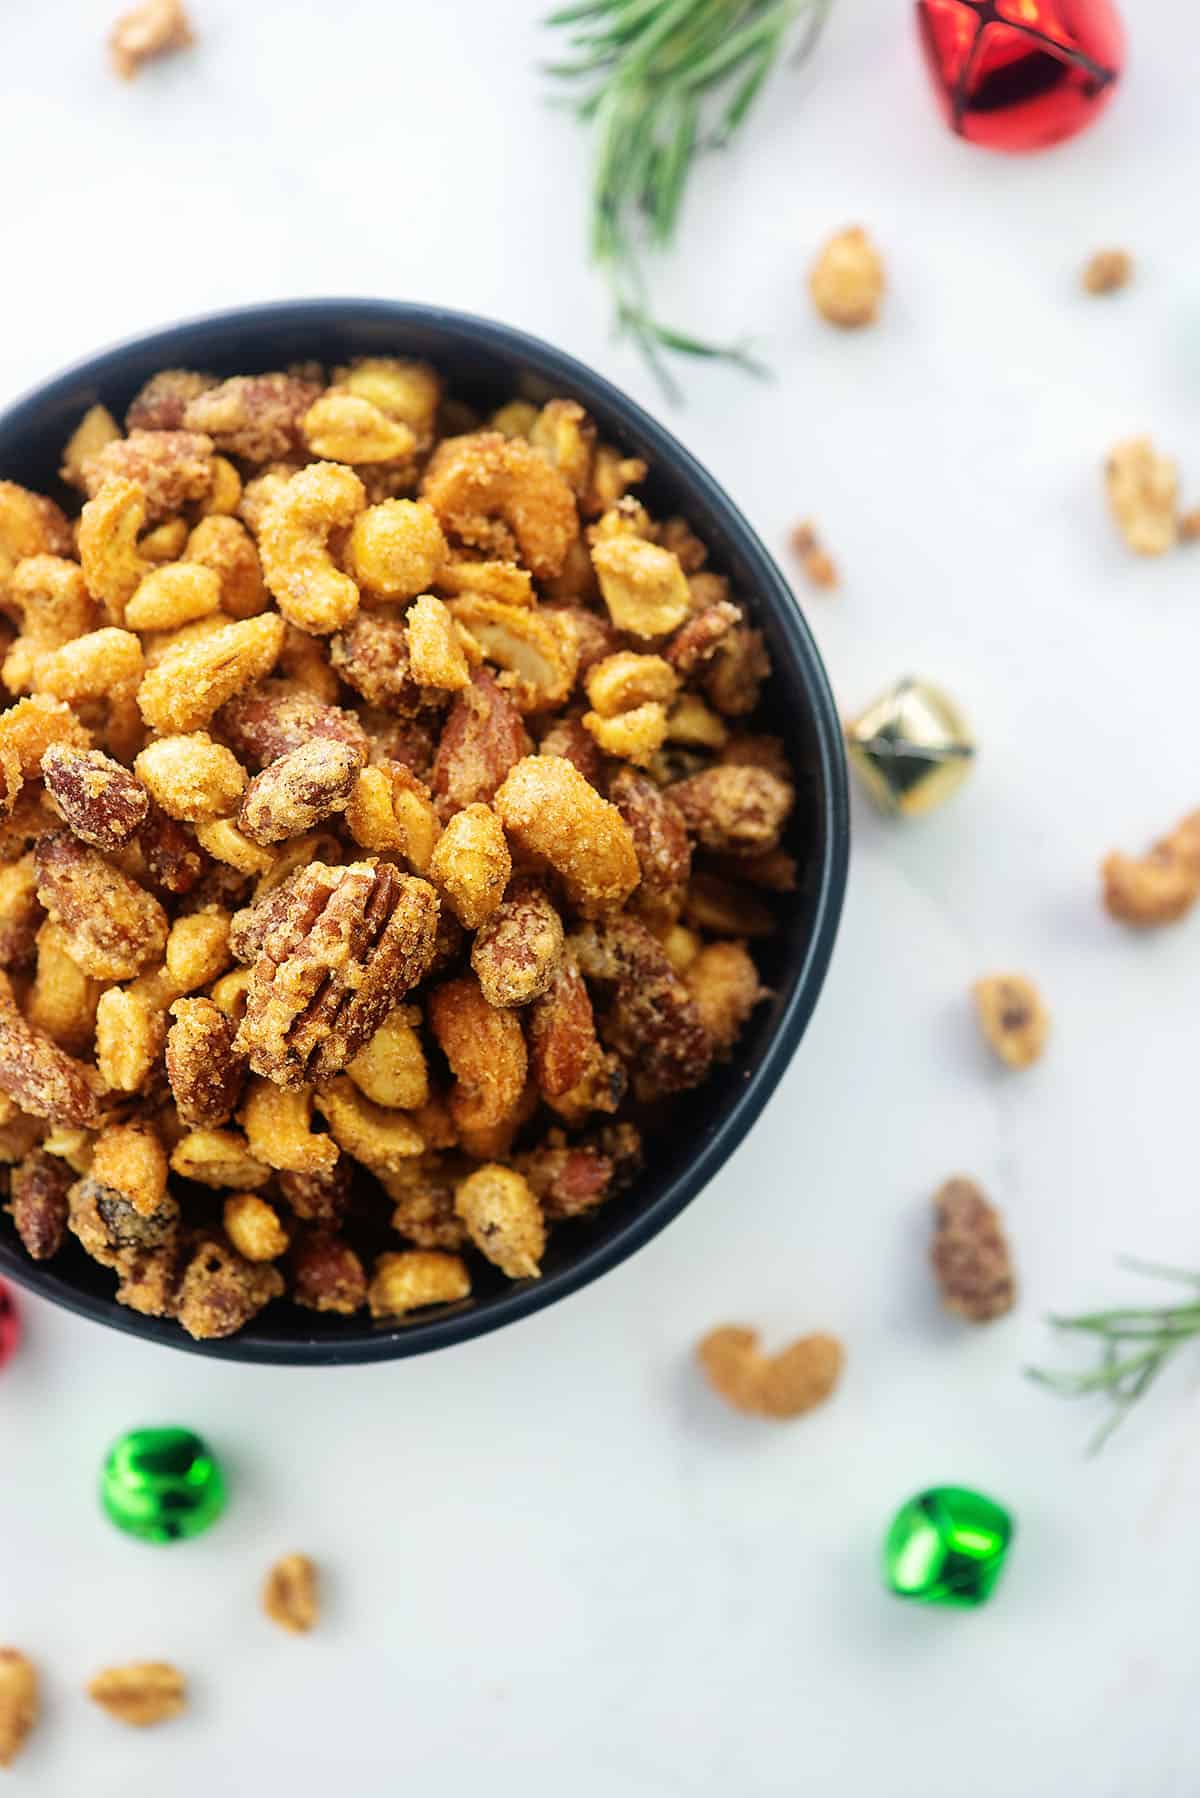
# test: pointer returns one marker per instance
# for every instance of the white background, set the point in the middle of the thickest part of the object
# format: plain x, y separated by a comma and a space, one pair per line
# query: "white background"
552, 1562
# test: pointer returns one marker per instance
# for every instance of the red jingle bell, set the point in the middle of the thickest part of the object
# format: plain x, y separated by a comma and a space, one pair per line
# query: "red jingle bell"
1021, 74
10, 1323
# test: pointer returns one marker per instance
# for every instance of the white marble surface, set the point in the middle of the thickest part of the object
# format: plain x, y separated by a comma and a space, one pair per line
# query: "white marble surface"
552, 1562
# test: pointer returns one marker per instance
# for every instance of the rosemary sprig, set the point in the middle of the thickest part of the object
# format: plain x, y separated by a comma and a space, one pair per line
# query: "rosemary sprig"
1135, 1345
659, 82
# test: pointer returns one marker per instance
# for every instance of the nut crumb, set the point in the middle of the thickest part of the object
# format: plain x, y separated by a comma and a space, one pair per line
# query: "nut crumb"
141, 1693
154, 28
1142, 489
1107, 271
18, 1702
788, 1384
1013, 1018
970, 1253
289, 1594
818, 565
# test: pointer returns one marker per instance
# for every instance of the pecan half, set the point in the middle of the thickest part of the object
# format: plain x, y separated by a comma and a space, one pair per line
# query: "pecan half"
341, 947
735, 810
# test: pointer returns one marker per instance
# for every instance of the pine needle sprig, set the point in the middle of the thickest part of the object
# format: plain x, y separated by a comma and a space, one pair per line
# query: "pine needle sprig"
1135, 1345
659, 83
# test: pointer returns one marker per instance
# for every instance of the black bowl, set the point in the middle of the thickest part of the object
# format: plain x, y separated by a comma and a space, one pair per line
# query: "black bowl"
489, 363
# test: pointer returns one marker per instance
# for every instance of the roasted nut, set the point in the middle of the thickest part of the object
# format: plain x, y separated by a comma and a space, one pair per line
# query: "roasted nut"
341, 947
486, 1052
724, 985
396, 548
152, 28
471, 864
160, 405
518, 948
192, 778
733, 678
273, 717
504, 1219
538, 656
183, 691
552, 814
416, 1278
104, 664
722, 908
220, 1290
169, 468
293, 543
96, 428
225, 843
501, 496
28, 729
296, 792
504, 581
624, 681
391, 1068
109, 527
130, 1031
253, 1227
436, 656
258, 418
345, 427
111, 925
279, 1132
694, 725
327, 1275
568, 1181
289, 1594
372, 657
970, 1253
847, 280
390, 811
659, 833
49, 595
103, 803
20, 913
1142, 489
1159, 887
1107, 271
225, 547
19, 1702
734, 810
643, 585
653, 1022
571, 1071
218, 1158
173, 595
785, 1385
636, 736
130, 1160
205, 1072
381, 1139
1012, 1017
401, 388
38, 1205
483, 738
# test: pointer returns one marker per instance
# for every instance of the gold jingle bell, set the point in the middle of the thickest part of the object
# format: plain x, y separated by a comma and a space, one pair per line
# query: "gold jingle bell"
911, 748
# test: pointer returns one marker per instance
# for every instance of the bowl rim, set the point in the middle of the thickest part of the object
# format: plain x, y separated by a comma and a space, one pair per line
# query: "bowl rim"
772, 591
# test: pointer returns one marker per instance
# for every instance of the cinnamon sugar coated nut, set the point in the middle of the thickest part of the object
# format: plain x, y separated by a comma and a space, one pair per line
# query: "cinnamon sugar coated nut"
19, 1702
143, 1693
154, 28
970, 1253
847, 280
1159, 887
818, 565
1142, 489
780, 1386
1107, 271
289, 1594
385, 825
1012, 1017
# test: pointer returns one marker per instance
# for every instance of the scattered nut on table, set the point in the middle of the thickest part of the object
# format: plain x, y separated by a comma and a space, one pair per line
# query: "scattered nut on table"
970, 1253
1143, 489
819, 566
154, 28
1159, 887
18, 1702
289, 1594
1107, 271
787, 1384
1012, 1017
847, 280
141, 1693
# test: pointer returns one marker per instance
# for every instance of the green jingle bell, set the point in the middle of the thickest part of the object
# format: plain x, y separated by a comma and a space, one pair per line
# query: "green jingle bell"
911, 748
947, 1546
162, 1485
